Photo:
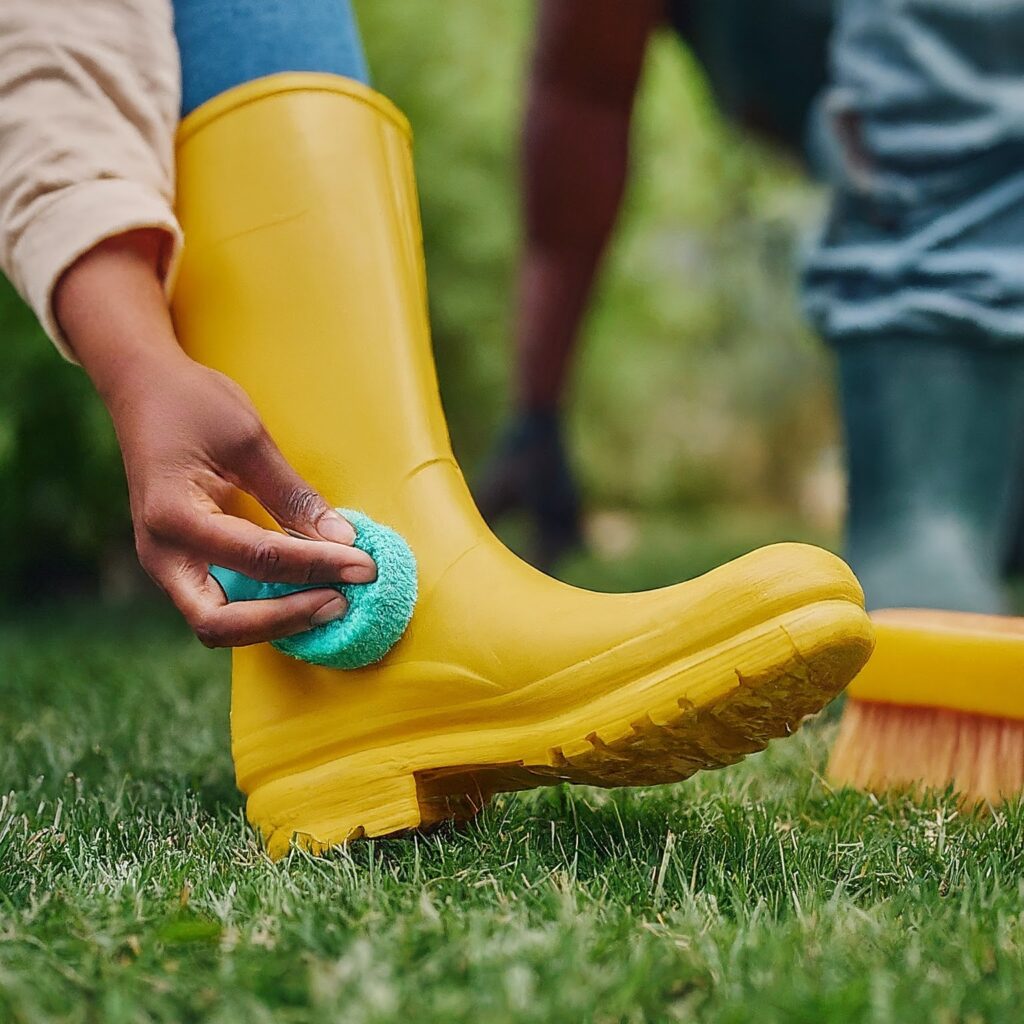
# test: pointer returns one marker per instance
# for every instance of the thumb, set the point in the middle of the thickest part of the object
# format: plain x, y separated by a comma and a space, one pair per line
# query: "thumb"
296, 506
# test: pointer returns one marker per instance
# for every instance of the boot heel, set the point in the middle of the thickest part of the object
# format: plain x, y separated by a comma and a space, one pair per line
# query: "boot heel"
331, 805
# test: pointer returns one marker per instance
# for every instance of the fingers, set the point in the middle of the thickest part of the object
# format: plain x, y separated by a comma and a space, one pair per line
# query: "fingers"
270, 479
219, 624
262, 554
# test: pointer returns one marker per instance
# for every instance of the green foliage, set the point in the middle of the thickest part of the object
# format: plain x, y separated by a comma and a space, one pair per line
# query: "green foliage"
62, 495
698, 384
697, 372
132, 891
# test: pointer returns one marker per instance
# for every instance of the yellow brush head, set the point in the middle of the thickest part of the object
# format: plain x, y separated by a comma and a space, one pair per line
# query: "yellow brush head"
952, 660
940, 703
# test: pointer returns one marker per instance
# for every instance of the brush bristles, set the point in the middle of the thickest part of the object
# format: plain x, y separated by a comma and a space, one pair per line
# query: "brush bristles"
883, 747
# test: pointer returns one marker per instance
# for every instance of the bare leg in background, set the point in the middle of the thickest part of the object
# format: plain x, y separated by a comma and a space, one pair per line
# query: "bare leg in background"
583, 80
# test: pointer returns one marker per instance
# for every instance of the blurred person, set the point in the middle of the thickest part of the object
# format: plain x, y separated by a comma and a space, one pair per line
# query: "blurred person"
918, 285
766, 64
917, 281
92, 95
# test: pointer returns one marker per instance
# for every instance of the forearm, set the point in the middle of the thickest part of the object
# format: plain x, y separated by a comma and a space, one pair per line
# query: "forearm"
87, 232
111, 307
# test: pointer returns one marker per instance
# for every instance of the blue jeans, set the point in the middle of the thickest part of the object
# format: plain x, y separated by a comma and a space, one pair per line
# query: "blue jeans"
224, 43
926, 235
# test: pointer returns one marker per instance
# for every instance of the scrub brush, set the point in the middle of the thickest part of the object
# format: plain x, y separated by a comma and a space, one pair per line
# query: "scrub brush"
940, 703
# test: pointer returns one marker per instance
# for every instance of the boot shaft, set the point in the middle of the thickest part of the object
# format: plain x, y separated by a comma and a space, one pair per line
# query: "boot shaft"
304, 280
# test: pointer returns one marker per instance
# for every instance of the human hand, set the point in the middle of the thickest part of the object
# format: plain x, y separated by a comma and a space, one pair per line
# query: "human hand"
188, 443
190, 437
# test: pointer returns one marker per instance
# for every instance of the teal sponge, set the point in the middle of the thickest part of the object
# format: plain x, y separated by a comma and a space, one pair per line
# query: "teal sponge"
378, 612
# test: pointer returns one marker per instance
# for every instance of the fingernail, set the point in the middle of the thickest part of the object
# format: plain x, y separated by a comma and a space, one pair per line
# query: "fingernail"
333, 528
359, 573
332, 611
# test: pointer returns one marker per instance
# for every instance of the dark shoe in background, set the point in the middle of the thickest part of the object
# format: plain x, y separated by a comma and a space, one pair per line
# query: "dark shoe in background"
528, 471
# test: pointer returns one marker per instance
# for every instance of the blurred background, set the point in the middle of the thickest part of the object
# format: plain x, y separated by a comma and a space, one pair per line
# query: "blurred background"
702, 418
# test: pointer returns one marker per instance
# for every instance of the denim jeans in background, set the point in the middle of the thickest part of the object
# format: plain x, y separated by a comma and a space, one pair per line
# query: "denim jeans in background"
224, 43
926, 236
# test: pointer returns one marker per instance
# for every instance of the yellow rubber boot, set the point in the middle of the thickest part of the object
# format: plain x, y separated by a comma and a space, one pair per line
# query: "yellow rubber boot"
303, 280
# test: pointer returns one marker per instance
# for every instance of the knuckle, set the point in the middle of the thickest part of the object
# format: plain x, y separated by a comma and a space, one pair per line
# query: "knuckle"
155, 518
303, 504
248, 439
315, 572
251, 438
146, 553
152, 571
207, 632
143, 548
231, 387
265, 558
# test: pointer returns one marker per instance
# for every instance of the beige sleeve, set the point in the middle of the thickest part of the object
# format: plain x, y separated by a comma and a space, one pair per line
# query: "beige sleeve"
89, 97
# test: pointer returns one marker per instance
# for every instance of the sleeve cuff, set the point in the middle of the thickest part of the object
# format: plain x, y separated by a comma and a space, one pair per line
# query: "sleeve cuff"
75, 220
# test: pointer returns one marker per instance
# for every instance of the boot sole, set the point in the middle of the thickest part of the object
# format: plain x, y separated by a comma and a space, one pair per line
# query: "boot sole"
739, 695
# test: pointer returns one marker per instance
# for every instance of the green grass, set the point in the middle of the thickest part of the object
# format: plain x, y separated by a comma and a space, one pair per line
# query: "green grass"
131, 888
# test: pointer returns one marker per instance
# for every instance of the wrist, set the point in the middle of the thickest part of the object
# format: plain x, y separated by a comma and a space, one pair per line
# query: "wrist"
137, 371
111, 307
